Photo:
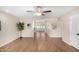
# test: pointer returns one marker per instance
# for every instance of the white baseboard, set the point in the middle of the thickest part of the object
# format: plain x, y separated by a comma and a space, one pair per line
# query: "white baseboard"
69, 43
8, 42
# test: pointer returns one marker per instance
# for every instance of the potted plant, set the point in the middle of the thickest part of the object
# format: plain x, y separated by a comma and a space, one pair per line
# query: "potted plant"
20, 27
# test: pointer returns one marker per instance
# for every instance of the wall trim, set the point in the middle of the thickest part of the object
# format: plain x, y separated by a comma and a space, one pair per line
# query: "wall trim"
70, 45
8, 42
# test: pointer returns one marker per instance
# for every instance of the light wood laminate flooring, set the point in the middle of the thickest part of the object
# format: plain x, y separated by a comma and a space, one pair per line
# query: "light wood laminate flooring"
38, 45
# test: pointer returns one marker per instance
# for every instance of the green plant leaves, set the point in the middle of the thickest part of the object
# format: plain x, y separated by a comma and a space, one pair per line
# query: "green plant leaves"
20, 26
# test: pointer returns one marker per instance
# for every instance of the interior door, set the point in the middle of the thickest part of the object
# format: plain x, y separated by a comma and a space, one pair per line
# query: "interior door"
74, 31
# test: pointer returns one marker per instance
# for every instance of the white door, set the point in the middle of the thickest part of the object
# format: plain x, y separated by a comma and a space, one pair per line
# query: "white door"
74, 31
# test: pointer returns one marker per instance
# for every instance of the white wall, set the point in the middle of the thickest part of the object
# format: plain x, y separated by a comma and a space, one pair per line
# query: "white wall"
54, 32
8, 31
65, 29
28, 31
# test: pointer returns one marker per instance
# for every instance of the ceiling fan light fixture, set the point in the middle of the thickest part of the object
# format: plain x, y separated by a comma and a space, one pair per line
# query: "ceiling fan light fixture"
38, 14
39, 11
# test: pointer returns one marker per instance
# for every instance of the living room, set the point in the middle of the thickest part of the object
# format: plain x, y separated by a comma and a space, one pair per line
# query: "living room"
45, 29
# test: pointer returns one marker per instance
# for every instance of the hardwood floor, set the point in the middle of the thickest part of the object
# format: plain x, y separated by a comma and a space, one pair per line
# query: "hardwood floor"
39, 45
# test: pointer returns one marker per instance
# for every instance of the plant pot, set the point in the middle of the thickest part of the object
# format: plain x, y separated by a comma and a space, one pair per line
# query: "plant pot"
20, 38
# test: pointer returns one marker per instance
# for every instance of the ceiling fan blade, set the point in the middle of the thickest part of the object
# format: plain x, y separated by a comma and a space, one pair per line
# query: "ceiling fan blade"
47, 11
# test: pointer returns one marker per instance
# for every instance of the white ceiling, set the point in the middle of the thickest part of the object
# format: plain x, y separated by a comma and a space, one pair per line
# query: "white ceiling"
20, 11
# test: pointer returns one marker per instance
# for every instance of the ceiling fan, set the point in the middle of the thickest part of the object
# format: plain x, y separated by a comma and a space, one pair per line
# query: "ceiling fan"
39, 10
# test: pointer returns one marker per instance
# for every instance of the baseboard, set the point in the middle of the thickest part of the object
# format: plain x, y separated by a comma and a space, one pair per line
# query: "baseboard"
7, 42
67, 42
26, 37
75, 48
71, 45
56, 37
